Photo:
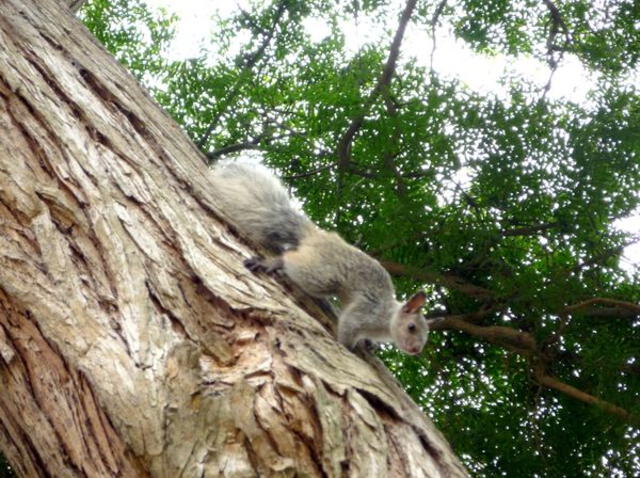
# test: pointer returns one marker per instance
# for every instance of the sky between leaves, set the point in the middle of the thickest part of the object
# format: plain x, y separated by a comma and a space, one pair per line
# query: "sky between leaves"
481, 73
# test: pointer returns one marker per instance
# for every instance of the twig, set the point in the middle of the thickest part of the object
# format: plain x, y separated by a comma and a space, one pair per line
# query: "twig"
554, 337
523, 343
471, 317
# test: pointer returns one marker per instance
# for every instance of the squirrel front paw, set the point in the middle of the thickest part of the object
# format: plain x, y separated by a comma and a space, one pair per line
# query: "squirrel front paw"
254, 264
271, 266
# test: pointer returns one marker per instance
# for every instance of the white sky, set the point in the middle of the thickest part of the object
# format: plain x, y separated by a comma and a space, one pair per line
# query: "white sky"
452, 58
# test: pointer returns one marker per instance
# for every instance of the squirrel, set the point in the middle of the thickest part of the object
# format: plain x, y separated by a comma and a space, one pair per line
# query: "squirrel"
320, 262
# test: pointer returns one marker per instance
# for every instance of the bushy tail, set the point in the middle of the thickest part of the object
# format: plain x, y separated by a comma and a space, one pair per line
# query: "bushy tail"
258, 205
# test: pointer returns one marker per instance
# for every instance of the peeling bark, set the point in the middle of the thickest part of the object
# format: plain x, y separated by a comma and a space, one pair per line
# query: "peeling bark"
132, 340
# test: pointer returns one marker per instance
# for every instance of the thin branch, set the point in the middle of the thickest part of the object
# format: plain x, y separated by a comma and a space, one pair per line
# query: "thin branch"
448, 280
309, 173
512, 339
234, 148
524, 344
261, 141
557, 25
549, 345
251, 59
249, 63
556, 17
573, 392
600, 258
632, 369
528, 230
343, 149
434, 22
471, 317
609, 313
617, 304
364, 173
547, 87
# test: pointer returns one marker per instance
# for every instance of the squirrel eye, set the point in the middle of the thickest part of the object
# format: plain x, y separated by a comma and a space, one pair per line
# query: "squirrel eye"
412, 328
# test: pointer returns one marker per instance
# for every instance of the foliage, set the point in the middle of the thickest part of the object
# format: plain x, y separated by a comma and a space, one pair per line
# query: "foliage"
130, 31
501, 206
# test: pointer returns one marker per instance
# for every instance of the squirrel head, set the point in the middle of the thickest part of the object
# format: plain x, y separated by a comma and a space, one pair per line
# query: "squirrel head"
409, 328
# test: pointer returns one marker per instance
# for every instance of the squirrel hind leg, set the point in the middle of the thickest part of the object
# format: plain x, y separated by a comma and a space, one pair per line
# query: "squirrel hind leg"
271, 265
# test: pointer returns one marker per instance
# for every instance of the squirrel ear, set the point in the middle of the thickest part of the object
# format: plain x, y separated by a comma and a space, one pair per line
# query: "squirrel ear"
414, 304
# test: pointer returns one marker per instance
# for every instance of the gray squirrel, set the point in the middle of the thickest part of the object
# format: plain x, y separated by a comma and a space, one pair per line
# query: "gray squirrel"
318, 261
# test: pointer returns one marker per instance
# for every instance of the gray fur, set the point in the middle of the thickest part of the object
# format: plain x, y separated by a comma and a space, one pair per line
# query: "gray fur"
318, 261
258, 205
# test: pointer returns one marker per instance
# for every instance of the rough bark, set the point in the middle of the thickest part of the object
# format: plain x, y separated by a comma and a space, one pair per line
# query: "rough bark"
132, 341
74, 5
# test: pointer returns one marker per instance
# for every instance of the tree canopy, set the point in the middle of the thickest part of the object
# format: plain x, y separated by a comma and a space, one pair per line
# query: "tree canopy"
501, 206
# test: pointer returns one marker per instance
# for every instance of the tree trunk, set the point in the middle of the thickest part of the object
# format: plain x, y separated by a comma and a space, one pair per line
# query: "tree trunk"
132, 340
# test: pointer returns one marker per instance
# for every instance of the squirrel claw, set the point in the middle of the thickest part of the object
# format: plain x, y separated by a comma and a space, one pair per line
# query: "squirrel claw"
254, 264
272, 266
369, 345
